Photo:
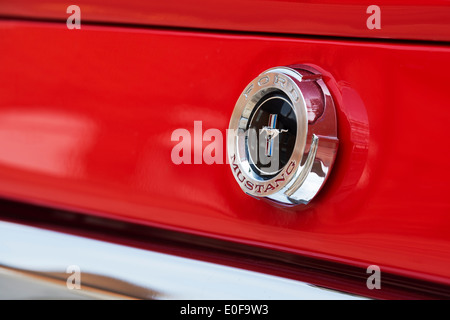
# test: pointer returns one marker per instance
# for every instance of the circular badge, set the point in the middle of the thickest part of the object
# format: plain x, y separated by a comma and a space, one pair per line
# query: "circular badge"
282, 135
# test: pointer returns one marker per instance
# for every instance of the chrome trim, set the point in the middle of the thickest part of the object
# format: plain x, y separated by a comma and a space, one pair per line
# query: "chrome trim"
113, 271
303, 174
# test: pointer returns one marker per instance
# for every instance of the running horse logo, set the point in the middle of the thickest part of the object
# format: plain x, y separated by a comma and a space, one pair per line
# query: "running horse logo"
271, 133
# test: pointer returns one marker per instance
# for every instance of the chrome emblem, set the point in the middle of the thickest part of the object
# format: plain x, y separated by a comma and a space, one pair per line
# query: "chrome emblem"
271, 133
282, 140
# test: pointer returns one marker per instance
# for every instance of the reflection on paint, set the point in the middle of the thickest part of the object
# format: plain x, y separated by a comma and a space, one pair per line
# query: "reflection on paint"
44, 141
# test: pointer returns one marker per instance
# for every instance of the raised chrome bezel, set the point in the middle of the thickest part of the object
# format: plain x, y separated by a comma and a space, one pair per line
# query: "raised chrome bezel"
297, 182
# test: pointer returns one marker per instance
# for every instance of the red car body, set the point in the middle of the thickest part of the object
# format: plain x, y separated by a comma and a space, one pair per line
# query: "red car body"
86, 118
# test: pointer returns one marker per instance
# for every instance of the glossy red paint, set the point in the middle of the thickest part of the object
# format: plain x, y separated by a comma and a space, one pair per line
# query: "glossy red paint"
86, 118
404, 19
